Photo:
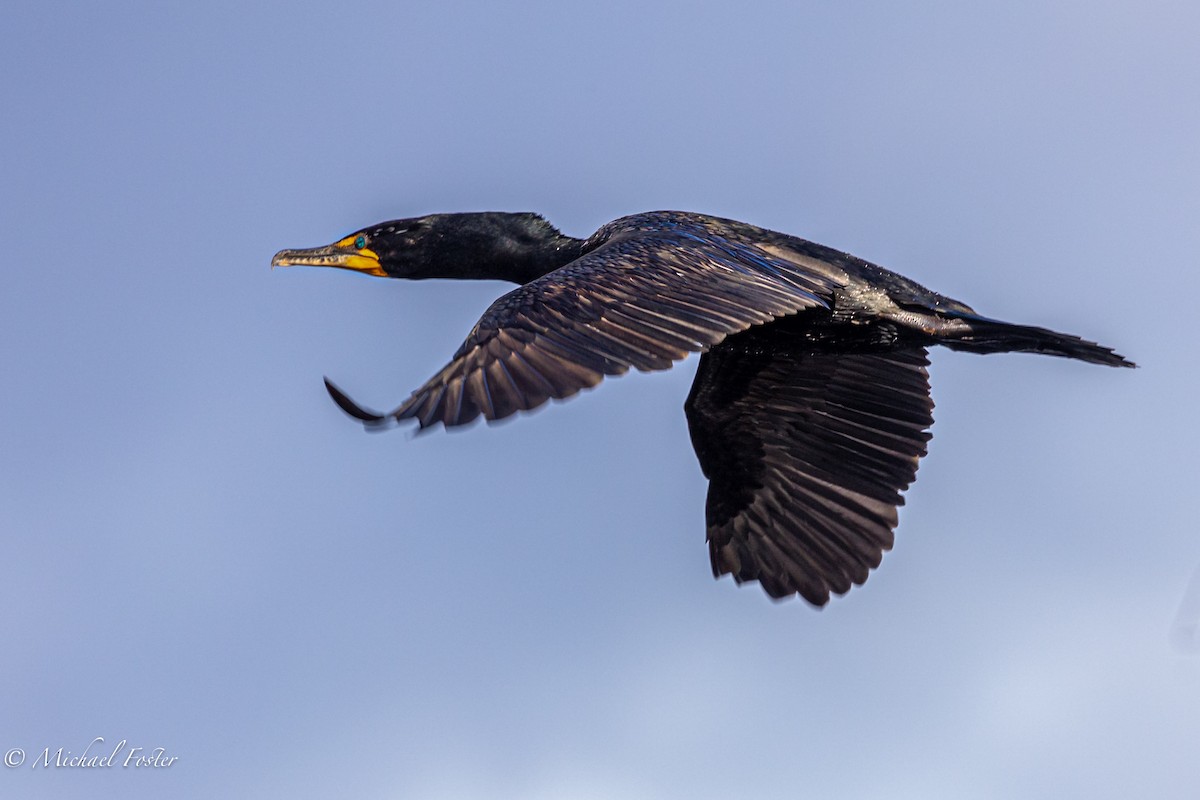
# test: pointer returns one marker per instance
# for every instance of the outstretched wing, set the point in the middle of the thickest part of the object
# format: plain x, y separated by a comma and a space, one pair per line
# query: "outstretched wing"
644, 298
806, 451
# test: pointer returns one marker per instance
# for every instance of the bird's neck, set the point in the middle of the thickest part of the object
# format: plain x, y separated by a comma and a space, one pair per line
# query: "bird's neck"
499, 246
531, 264
527, 251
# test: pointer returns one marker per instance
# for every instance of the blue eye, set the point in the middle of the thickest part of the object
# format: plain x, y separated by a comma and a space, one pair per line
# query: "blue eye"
360, 243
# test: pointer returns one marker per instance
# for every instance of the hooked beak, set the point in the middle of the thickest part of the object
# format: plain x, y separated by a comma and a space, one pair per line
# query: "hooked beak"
341, 254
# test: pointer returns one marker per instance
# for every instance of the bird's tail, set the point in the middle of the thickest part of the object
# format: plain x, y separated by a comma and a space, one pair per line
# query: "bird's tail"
982, 335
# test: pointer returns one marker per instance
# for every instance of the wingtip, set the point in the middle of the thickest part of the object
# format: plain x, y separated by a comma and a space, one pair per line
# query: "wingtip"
371, 420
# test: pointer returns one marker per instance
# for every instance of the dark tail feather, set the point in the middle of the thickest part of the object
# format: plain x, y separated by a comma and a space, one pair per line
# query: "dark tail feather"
983, 335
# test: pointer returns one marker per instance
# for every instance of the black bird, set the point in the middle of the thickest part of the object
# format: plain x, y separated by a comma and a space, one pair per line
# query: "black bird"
810, 408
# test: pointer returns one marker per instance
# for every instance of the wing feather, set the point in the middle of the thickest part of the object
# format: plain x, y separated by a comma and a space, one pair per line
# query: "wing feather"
643, 299
807, 450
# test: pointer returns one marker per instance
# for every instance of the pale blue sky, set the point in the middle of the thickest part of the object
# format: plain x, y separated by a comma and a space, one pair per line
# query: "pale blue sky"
202, 553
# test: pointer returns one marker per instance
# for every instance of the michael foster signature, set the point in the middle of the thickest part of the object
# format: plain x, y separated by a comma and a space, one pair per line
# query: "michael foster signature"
95, 755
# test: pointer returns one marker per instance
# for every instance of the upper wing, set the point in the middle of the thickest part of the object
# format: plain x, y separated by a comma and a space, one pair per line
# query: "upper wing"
644, 299
806, 453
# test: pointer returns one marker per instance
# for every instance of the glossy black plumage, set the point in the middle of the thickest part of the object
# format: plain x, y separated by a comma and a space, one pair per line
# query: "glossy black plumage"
810, 408
806, 450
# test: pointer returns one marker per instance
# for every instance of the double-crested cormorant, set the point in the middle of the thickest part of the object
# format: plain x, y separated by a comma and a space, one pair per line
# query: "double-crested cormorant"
810, 408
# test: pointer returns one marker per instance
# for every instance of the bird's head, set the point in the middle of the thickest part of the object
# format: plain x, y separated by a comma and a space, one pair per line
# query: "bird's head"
475, 246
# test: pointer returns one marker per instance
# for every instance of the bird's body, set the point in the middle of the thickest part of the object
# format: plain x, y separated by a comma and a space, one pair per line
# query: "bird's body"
810, 408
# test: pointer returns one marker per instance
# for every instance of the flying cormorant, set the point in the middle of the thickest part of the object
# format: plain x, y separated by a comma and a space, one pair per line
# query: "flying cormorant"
810, 408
